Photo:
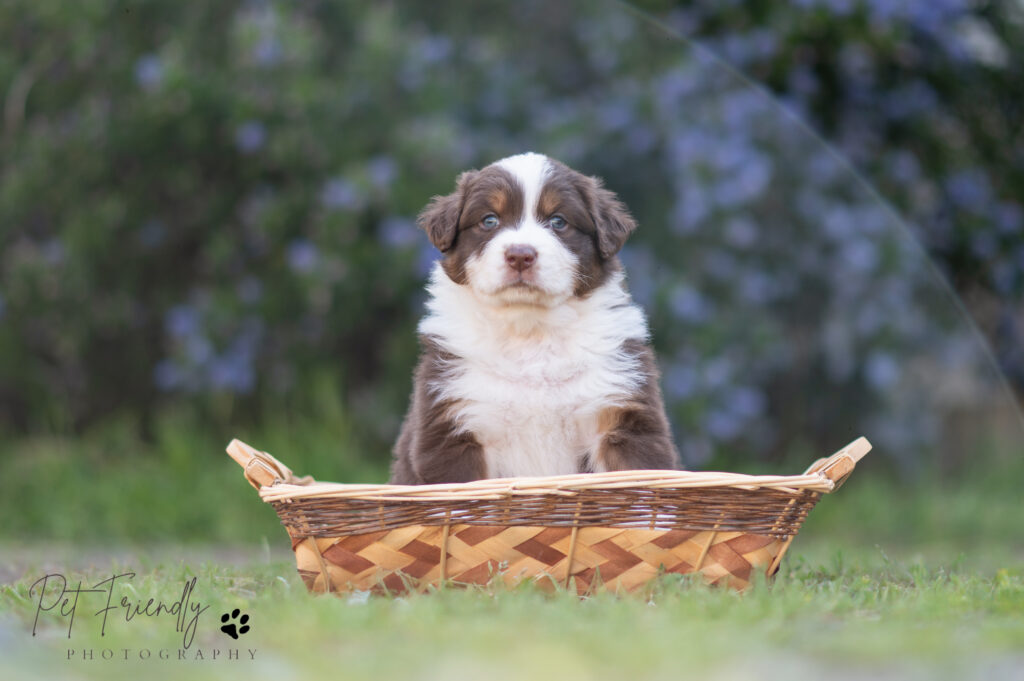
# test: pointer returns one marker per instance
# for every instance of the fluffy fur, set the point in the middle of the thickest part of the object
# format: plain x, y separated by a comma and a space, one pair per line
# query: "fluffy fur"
535, 359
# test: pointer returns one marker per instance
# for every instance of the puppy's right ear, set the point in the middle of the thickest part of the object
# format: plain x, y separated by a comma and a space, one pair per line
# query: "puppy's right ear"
440, 219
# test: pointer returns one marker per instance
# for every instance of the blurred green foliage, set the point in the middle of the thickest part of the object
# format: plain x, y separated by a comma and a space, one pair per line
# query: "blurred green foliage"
207, 208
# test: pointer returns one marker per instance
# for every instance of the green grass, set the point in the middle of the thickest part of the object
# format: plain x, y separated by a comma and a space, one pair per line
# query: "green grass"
865, 616
888, 579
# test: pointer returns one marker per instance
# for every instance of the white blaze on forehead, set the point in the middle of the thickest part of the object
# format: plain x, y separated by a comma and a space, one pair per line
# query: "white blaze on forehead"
555, 269
530, 169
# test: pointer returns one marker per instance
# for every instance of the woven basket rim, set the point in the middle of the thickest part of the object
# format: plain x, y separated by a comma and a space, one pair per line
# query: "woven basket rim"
276, 483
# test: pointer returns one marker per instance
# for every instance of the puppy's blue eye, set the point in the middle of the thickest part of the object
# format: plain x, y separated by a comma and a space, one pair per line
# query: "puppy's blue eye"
558, 223
489, 222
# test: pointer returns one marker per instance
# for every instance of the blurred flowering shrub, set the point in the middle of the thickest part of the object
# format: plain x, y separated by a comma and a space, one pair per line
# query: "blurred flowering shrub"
215, 202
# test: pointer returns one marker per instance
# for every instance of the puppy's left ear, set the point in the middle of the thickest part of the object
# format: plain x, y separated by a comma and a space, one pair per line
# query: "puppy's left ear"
440, 219
612, 219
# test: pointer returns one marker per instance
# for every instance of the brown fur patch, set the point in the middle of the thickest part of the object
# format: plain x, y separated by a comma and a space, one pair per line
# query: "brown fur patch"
598, 223
430, 449
453, 222
638, 435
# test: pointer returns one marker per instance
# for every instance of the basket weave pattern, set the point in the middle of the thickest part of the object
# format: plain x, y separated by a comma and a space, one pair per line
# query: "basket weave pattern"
405, 559
585, 532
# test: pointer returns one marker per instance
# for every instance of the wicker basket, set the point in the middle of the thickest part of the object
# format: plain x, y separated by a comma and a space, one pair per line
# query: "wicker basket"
587, 532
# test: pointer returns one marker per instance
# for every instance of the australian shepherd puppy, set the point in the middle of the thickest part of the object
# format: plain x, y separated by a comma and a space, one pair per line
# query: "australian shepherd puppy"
535, 360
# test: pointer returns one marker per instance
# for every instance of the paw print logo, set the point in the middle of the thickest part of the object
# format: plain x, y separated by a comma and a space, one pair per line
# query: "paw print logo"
230, 628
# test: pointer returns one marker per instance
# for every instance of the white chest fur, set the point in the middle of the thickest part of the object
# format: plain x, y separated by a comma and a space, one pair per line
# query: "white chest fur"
530, 382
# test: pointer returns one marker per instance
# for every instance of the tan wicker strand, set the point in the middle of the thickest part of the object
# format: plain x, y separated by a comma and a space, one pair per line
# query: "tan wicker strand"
707, 546
555, 485
655, 504
572, 545
573, 536
322, 564
444, 546
774, 567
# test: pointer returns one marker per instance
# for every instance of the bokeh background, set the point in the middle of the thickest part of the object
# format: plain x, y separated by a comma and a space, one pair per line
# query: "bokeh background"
207, 231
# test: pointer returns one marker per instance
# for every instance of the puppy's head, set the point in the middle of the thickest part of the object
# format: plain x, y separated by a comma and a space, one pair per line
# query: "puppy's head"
528, 230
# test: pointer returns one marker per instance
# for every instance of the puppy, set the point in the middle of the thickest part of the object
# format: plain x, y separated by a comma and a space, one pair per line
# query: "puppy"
535, 361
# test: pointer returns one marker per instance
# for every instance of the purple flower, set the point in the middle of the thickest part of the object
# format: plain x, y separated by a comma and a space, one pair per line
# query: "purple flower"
840, 224
397, 231
903, 166
969, 188
673, 87
881, 370
434, 48
615, 115
639, 264
756, 287
717, 372
250, 136
745, 183
689, 305
1009, 217
681, 381
302, 256
232, 373
690, 210
722, 424
728, 155
149, 72
382, 171
746, 402
198, 349
840, 7
861, 255
883, 11
740, 232
182, 320
640, 138
268, 51
339, 193
869, 319
168, 375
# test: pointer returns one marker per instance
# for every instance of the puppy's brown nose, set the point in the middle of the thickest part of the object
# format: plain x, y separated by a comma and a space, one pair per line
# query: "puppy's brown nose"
520, 257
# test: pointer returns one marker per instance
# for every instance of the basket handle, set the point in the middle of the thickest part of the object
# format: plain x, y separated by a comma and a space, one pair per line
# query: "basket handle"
839, 466
260, 468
